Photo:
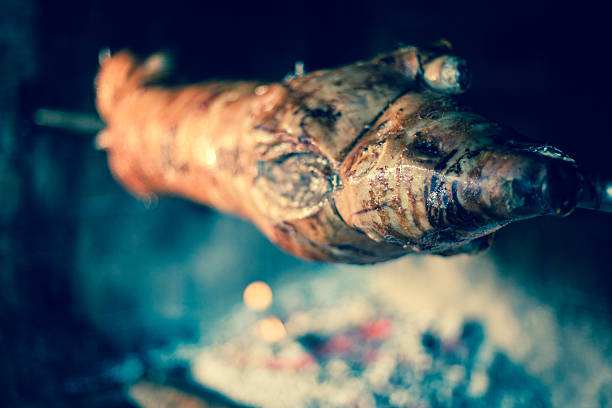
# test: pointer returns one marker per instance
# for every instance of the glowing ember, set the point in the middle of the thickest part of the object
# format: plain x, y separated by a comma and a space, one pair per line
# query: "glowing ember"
257, 296
271, 329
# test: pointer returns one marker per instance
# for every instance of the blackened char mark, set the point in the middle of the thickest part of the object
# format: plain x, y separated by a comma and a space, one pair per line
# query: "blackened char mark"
328, 121
435, 196
442, 163
376, 208
446, 211
367, 127
326, 116
467, 155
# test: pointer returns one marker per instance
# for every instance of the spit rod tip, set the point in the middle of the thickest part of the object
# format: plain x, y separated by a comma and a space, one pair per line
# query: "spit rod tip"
597, 195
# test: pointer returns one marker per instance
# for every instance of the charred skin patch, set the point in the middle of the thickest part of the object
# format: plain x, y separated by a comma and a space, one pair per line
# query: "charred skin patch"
434, 195
327, 115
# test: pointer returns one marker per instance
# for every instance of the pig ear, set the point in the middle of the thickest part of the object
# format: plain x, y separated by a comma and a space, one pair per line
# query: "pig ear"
157, 65
447, 74
443, 72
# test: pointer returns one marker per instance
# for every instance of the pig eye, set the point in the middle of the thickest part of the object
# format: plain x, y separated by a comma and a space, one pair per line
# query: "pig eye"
426, 146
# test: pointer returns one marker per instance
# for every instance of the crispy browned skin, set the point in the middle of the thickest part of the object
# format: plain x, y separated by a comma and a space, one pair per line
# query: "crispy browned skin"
358, 164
